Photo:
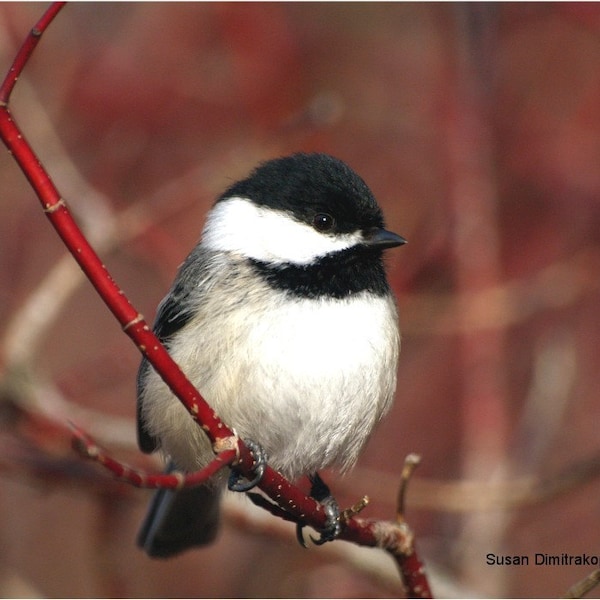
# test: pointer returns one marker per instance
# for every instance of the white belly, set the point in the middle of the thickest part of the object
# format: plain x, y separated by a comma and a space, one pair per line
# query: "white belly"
307, 379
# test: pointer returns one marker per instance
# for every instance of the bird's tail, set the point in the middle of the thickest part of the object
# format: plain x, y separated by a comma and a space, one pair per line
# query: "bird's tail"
178, 520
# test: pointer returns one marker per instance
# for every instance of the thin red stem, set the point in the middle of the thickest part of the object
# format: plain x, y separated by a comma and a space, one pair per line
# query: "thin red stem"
57, 212
86, 446
26, 50
132, 322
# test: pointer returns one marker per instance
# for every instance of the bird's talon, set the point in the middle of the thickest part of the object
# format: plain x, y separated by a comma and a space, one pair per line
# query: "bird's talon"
333, 526
300, 536
237, 482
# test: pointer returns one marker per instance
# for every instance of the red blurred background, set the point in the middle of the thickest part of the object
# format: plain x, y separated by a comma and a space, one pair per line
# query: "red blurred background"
477, 126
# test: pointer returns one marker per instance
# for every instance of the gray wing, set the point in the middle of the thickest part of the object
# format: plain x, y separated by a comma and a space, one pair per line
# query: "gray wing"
177, 308
182, 519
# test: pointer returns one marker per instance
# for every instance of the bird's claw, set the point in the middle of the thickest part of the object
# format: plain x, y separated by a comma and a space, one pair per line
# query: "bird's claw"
333, 525
237, 482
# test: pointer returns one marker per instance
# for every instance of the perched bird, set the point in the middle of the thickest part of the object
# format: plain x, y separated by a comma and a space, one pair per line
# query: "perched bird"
283, 319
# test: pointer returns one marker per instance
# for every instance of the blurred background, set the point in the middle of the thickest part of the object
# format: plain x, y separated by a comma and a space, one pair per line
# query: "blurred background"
477, 126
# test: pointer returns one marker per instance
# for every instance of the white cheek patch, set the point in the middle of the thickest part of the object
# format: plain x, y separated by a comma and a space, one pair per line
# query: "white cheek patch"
238, 225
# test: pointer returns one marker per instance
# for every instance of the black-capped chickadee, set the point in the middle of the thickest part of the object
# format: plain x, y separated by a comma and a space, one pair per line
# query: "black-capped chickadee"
283, 319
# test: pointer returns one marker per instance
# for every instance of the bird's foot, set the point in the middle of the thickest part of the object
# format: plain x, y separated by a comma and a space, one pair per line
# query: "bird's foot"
237, 482
333, 526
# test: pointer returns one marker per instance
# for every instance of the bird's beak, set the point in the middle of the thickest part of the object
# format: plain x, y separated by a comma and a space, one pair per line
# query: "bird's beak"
382, 238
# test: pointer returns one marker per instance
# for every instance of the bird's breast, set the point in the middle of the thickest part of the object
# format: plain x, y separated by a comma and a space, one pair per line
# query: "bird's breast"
306, 378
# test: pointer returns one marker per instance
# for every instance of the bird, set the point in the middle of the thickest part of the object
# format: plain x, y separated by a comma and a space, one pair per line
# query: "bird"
283, 318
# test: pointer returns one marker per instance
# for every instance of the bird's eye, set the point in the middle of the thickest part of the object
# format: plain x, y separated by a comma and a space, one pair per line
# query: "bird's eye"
323, 222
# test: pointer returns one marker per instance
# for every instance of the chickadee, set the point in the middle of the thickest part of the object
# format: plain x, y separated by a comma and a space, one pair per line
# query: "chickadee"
284, 320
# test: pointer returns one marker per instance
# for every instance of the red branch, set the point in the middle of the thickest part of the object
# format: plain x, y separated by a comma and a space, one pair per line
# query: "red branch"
26, 50
287, 496
86, 447
131, 320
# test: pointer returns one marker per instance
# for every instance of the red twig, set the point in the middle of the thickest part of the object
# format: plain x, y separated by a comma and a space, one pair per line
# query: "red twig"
57, 212
229, 449
86, 446
26, 50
